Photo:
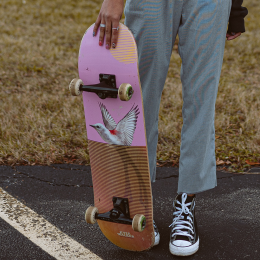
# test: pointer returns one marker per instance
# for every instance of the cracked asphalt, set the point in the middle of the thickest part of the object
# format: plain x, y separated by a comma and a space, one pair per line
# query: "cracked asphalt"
228, 216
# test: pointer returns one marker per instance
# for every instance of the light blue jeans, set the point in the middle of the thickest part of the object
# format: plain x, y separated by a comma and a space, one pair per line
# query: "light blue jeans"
201, 26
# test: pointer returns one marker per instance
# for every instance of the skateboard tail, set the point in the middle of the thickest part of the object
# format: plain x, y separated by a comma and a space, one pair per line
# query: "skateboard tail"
124, 237
121, 171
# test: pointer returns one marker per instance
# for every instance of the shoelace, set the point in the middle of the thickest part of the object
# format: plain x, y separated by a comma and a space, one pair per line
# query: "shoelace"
180, 225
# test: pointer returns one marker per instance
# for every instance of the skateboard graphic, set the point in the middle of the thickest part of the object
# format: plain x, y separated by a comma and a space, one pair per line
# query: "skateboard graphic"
112, 98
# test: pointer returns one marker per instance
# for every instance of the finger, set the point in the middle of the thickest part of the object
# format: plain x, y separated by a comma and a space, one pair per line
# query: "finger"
102, 32
234, 36
108, 34
228, 35
115, 32
237, 35
97, 23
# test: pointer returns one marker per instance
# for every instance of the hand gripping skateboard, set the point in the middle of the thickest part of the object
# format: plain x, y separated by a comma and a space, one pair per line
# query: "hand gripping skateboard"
112, 97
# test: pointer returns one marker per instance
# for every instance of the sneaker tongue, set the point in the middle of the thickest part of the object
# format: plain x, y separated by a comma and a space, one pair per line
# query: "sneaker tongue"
188, 200
185, 217
180, 237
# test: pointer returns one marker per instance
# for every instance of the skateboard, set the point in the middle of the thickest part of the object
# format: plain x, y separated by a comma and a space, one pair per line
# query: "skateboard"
110, 86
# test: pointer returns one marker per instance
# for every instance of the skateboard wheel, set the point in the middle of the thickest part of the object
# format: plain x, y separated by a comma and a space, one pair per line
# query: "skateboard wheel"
139, 222
90, 215
74, 87
125, 92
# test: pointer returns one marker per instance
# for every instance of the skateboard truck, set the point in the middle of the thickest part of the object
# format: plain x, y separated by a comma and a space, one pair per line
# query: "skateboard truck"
119, 214
106, 88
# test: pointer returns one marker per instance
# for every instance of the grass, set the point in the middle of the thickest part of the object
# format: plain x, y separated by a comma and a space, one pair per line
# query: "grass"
42, 124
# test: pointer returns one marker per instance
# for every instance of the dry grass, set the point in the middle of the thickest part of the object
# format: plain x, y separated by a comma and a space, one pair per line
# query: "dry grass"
238, 103
42, 124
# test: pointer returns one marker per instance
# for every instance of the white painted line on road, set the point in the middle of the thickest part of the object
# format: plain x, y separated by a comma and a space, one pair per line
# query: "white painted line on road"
40, 231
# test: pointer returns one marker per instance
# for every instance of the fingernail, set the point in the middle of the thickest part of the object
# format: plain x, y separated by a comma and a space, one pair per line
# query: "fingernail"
94, 34
107, 46
113, 45
100, 43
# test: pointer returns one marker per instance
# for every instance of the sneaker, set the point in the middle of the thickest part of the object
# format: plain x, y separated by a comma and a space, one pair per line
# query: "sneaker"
184, 240
156, 235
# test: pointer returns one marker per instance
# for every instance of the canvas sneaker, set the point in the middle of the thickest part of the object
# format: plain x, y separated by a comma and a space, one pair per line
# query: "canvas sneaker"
184, 240
156, 235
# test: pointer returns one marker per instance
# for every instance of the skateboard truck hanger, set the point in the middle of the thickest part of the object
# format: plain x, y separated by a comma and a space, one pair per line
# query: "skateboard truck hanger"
119, 214
106, 88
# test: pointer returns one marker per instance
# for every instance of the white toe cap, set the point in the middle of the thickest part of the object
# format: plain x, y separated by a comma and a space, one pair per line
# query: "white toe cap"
181, 243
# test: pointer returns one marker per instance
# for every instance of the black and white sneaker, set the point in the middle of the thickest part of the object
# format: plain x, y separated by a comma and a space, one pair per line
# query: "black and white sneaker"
184, 238
156, 235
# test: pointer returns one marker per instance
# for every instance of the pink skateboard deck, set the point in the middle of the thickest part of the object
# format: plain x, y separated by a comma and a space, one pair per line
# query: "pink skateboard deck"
116, 139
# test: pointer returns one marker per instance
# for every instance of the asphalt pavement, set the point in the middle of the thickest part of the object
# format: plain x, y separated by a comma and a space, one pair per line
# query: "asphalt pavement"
228, 216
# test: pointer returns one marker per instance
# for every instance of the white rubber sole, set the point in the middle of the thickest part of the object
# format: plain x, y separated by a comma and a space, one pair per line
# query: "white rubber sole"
156, 240
184, 250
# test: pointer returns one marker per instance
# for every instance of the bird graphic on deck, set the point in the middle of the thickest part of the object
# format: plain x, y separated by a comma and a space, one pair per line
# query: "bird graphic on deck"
121, 133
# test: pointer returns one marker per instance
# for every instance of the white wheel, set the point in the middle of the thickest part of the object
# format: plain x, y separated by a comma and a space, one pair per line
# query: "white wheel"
90, 215
74, 87
139, 222
125, 92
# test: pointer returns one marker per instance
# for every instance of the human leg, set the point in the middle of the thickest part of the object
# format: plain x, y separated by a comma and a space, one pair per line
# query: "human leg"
201, 46
202, 36
154, 25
